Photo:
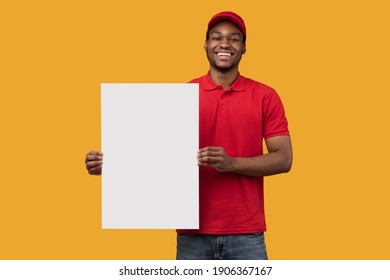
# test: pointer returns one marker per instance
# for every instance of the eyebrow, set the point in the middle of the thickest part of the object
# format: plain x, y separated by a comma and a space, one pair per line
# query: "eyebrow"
233, 33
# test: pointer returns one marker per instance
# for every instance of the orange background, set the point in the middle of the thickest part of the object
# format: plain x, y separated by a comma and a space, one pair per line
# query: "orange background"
329, 61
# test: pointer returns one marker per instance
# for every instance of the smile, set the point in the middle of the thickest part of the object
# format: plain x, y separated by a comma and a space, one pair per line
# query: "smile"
224, 54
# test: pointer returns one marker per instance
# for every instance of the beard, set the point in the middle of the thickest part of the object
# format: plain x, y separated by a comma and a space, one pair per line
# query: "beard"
222, 69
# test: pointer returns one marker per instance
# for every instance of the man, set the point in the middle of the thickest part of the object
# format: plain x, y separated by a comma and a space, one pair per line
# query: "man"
236, 114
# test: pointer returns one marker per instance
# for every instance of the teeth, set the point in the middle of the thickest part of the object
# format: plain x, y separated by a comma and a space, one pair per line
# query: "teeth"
225, 54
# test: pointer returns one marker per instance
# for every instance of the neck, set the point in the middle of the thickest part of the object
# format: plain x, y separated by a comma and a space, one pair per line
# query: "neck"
224, 79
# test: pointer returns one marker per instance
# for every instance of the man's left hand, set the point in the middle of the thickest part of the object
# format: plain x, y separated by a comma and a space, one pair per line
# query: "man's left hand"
215, 157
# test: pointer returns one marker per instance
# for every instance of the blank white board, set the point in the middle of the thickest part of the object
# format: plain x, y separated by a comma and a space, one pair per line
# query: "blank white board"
150, 140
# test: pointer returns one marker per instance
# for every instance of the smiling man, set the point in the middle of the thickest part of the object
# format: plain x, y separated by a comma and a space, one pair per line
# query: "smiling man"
235, 115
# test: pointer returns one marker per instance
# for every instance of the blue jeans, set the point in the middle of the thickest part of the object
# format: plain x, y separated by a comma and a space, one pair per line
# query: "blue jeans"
221, 247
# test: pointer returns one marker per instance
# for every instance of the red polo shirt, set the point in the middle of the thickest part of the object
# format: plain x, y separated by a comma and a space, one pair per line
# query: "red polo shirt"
236, 119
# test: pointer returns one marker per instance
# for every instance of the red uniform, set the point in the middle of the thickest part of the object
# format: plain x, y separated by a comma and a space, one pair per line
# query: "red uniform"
236, 119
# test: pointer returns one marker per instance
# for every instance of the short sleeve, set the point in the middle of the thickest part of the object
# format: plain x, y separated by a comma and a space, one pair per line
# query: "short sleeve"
274, 118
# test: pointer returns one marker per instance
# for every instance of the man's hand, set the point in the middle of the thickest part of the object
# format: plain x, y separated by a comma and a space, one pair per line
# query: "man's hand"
94, 162
278, 160
215, 157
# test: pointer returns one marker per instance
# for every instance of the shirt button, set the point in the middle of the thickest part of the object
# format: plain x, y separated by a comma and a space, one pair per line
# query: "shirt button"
219, 87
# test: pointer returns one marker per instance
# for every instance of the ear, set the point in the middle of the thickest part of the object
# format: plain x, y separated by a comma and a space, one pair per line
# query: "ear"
205, 45
244, 49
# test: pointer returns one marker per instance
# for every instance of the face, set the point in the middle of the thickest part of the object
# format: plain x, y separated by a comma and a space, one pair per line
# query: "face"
224, 46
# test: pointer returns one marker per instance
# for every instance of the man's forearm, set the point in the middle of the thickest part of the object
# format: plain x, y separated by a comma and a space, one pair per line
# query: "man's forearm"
264, 165
278, 160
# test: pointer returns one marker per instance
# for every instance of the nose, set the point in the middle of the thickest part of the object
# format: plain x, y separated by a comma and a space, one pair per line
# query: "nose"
225, 43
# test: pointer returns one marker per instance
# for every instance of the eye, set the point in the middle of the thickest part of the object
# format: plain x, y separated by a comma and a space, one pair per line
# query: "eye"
216, 38
235, 40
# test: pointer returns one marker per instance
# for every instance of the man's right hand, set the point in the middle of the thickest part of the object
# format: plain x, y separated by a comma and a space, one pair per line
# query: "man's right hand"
94, 162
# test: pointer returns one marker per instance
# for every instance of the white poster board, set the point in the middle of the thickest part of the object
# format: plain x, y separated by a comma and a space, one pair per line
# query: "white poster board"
150, 135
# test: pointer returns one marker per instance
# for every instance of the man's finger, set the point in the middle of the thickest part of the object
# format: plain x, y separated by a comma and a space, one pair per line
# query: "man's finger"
95, 171
95, 153
210, 153
209, 164
210, 159
210, 148
93, 163
93, 158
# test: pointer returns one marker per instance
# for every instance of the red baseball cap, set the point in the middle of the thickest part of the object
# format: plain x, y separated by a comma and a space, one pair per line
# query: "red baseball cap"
230, 16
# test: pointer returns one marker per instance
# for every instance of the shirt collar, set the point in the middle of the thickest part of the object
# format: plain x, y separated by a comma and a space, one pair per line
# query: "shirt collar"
238, 84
